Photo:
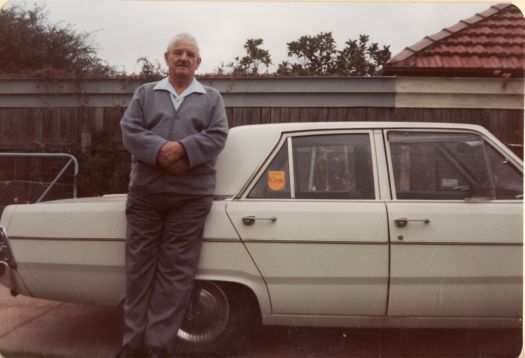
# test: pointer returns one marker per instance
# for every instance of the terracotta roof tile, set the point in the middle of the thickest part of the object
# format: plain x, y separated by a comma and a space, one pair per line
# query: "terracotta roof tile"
457, 27
474, 19
500, 6
421, 44
440, 35
491, 40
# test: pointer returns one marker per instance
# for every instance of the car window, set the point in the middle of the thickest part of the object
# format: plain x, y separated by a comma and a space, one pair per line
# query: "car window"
508, 180
333, 167
439, 166
275, 181
324, 167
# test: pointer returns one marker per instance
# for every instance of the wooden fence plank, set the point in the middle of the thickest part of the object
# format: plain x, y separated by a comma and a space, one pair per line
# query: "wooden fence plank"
351, 114
38, 128
303, 114
256, 116
229, 115
275, 115
246, 116
237, 117
266, 115
294, 115
285, 115
323, 114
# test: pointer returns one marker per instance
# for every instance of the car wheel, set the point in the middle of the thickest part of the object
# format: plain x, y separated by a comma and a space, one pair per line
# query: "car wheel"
217, 320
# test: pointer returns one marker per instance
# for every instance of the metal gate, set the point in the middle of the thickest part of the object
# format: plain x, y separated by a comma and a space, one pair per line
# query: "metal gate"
34, 177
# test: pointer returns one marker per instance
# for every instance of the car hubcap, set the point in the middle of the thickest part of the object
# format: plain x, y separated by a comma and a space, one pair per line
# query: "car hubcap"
207, 314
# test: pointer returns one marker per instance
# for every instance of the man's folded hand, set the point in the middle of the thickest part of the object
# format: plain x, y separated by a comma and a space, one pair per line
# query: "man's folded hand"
170, 153
178, 167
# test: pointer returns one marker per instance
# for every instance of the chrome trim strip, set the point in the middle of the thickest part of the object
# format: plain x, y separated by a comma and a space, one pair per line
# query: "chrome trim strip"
340, 242
399, 317
291, 167
466, 280
255, 241
455, 243
390, 316
34, 238
335, 201
229, 241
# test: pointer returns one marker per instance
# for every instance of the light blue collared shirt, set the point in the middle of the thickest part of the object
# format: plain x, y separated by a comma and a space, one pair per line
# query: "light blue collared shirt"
176, 99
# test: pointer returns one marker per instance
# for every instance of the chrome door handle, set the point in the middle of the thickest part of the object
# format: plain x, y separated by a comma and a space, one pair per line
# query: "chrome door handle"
404, 221
250, 220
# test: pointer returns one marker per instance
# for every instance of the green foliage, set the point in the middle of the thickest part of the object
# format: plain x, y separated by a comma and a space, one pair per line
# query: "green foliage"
30, 45
317, 55
253, 61
151, 71
361, 58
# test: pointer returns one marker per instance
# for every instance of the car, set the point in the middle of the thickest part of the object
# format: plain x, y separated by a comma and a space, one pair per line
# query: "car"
335, 224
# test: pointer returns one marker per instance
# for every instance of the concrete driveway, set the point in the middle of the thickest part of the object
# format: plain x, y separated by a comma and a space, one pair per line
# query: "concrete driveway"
34, 328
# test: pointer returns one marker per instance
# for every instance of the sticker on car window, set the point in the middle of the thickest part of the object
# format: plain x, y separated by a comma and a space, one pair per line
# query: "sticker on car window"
276, 180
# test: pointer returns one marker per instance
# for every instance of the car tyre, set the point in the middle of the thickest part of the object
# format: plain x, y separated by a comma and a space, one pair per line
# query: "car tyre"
218, 320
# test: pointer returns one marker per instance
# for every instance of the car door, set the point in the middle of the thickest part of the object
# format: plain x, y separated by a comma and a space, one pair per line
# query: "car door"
455, 225
312, 223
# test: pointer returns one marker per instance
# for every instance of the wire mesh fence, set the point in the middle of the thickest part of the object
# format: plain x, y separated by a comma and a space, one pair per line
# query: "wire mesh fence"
34, 177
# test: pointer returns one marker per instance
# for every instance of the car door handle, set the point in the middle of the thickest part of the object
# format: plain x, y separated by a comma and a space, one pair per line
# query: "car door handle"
404, 221
250, 220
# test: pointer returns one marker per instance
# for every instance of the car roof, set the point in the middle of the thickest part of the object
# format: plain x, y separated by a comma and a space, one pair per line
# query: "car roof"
352, 125
248, 146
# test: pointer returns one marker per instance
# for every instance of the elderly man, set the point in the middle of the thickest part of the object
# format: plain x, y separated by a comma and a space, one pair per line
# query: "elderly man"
174, 129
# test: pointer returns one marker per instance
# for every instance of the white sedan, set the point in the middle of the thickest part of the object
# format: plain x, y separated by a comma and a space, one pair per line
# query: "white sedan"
355, 224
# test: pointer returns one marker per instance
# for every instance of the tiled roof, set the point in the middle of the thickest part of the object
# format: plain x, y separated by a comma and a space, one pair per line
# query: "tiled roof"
490, 43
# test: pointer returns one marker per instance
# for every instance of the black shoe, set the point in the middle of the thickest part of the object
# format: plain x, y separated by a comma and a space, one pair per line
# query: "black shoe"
128, 352
154, 352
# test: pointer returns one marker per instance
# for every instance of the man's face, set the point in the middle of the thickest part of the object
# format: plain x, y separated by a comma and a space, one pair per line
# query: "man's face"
182, 59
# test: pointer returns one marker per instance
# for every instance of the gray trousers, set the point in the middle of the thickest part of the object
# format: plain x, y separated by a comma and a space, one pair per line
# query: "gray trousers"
164, 239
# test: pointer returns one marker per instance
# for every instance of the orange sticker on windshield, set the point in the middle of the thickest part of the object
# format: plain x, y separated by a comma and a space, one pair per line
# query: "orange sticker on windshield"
276, 179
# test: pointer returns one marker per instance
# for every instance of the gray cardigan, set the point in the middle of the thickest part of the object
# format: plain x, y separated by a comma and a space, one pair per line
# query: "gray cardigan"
199, 124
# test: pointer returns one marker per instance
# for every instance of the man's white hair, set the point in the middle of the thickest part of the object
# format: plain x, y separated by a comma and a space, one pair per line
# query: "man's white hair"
184, 37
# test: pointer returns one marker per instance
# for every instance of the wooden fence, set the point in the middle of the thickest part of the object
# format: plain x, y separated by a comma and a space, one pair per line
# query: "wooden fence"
39, 115
40, 129
83, 117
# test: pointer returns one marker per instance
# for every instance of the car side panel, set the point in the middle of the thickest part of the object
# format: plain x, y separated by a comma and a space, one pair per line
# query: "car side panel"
319, 257
81, 258
460, 264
